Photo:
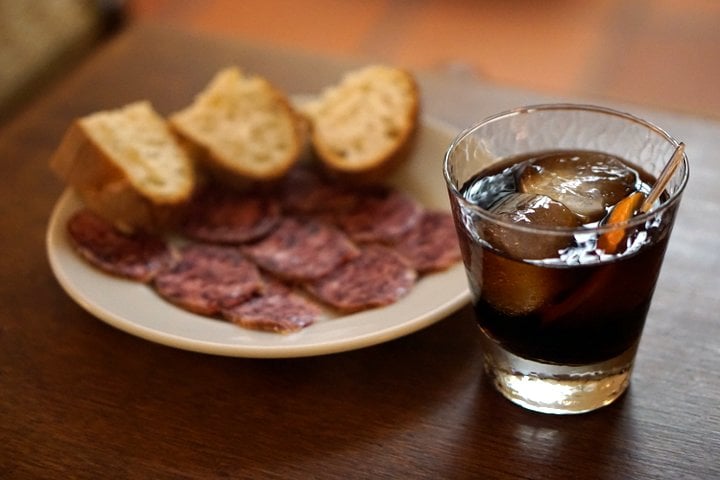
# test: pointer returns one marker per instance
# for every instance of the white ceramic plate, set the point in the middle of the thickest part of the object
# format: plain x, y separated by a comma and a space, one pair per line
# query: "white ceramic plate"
134, 307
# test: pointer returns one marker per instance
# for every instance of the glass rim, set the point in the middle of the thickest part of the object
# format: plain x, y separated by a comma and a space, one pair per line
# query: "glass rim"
536, 229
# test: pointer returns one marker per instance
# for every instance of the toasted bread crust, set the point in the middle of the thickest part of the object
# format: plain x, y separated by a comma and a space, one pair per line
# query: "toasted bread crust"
114, 177
244, 128
137, 170
363, 127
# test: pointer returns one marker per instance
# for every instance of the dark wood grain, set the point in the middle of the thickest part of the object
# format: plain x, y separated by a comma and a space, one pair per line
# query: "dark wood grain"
79, 399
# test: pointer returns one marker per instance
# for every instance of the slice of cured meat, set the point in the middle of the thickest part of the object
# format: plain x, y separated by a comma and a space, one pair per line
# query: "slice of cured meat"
304, 191
382, 215
431, 245
299, 250
136, 256
379, 276
208, 278
277, 309
223, 216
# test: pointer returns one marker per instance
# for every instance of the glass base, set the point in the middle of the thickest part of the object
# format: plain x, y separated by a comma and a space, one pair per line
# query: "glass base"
557, 389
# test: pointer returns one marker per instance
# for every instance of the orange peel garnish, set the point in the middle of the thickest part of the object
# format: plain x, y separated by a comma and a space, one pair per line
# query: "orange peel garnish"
621, 213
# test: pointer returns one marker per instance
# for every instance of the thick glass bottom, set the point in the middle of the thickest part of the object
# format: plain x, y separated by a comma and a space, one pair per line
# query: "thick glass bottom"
556, 389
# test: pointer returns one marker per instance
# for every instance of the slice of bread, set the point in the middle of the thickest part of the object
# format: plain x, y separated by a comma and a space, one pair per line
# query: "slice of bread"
363, 125
244, 128
127, 166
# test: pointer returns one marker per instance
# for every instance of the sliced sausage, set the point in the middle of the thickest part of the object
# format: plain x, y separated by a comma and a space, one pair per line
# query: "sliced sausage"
138, 256
277, 309
432, 244
224, 216
208, 278
299, 250
381, 215
377, 277
305, 192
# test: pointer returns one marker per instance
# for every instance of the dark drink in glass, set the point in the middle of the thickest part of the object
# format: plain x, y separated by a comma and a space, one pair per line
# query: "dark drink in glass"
560, 293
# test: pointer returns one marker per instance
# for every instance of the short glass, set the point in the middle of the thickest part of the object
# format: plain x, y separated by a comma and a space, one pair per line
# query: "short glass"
560, 330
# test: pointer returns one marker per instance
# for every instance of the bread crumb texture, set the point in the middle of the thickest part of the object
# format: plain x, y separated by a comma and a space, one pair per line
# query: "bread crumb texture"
365, 119
244, 124
138, 141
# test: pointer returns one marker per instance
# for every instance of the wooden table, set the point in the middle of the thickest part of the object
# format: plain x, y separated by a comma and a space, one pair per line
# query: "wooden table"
80, 399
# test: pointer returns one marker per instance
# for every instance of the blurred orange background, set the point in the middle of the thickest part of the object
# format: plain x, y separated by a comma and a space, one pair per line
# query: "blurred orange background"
662, 53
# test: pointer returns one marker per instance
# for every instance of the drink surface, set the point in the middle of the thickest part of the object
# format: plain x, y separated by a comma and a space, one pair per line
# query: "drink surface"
557, 297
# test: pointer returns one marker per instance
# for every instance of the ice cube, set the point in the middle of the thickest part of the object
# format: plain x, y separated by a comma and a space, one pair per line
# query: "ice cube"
526, 209
585, 182
516, 288
486, 190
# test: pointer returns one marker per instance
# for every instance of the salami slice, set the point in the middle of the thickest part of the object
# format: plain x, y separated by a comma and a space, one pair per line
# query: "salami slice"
381, 215
277, 309
208, 278
379, 276
299, 250
306, 192
136, 256
223, 216
431, 245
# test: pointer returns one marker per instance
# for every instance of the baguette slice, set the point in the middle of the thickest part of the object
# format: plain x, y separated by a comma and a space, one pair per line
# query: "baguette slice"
362, 126
127, 166
243, 127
